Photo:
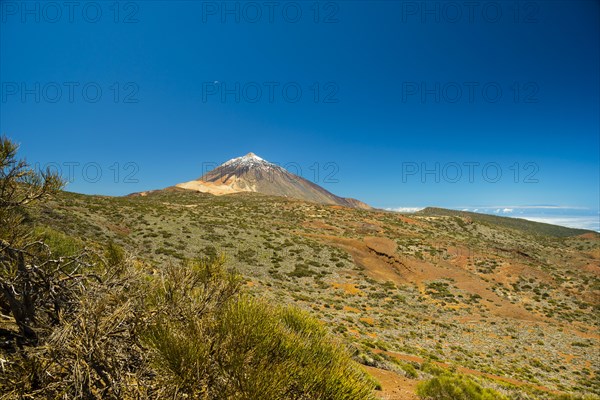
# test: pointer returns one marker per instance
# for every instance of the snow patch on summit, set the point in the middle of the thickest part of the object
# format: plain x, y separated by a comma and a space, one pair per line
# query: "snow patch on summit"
249, 160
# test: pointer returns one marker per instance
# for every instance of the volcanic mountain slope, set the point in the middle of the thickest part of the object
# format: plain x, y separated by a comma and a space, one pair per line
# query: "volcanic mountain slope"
514, 304
251, 173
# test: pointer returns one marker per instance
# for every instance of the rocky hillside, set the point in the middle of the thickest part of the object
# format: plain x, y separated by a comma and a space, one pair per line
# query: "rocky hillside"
514, 307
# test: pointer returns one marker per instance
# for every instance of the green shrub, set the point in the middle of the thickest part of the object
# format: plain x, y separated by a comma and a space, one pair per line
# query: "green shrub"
208, 342
410, 371
433, 369
115, 255
449, 386
301, 271
62, 245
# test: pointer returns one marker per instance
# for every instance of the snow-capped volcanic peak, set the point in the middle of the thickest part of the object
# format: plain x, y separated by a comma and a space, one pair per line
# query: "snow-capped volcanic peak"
251, 173
249, 160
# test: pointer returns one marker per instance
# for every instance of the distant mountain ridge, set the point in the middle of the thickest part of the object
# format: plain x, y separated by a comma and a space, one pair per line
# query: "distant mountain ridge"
520, 224
251, 173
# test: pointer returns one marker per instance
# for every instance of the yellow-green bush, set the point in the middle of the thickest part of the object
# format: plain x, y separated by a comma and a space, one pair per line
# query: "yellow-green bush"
61, 245
241, 347
448, 386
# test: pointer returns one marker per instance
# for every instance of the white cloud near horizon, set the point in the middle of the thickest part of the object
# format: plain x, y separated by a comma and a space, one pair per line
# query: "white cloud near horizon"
579, 222
405, 209
548, 207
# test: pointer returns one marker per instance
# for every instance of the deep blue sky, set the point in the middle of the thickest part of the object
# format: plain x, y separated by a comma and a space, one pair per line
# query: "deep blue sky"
179, 56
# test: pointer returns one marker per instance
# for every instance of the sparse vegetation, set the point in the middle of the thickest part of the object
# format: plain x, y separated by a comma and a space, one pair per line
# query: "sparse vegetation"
92, 323
492, 298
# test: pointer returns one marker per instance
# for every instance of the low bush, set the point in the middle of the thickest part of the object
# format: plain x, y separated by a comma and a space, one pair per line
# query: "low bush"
448, 386
243, 348
409, 370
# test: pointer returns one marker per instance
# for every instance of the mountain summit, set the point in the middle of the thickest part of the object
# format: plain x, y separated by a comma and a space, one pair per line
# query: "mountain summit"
251, 173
